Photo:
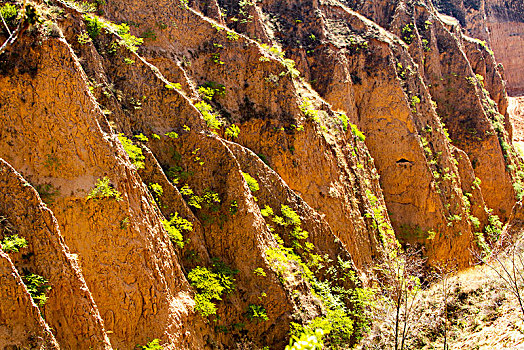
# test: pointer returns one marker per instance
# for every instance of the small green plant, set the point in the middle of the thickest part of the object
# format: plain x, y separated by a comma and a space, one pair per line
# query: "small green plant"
37, 286
93, 25
425, 45
134, 152
141, 137
232, 36
267, 211
233, 131
357, 133
307, 340
83, 38
172, 135
233, 207
175, 228
152, 345
408, 34
211, 90
494, 229
275, 51
174, 86
124, 223
215, 57
259, 272
344, 119
252, 183
157, 191
257, 312
307, 108
414, 101
211, 285
210, 116
290, 66
12, 244
9, 13
103, 189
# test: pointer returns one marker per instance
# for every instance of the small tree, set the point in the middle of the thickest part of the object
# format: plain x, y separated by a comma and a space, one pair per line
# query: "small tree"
399, 279
508, 265
442, 273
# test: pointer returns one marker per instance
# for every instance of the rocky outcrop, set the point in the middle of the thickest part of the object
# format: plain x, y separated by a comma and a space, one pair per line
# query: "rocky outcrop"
399, 112
500, 23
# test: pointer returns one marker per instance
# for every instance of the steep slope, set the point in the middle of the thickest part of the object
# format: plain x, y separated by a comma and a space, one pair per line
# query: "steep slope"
500, 23
421, 183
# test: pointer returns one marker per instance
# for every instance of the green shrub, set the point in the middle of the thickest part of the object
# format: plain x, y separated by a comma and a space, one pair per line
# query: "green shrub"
152, 345
9, 13
12, 244
232, 36
259, 272
93, 25
519, 190
494, 229
157, 191
290, 65
357, 133
172, 135
103, 189
211, 285
339, 322
186, 190
175, 227
408, 34
134, 152
209, 115
174, 86
267, 211
83, 38
233, 131
252, 183
257, 312
206, 93
141, 137
233, 207
307, 340
344, 119
308, 109
37, 286
289, 218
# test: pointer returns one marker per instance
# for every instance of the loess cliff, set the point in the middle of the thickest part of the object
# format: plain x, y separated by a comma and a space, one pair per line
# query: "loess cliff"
213, 174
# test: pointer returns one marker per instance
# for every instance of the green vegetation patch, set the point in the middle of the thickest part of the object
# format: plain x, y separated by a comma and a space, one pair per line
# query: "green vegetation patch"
176, 226
12, 244
211, 285
37, 286
103, 189
134, 152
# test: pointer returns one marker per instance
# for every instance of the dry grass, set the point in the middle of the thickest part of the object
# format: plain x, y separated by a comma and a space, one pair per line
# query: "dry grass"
480, 314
